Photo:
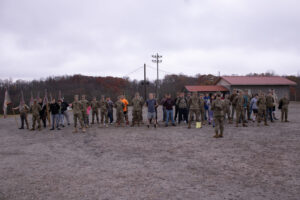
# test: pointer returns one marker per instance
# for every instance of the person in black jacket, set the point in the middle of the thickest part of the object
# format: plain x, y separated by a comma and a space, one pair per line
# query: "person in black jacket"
65, 114
169, 103
55, 109
43, 113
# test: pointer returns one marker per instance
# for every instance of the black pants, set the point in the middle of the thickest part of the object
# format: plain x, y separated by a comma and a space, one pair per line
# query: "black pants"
43, 118
183, 115
23, 117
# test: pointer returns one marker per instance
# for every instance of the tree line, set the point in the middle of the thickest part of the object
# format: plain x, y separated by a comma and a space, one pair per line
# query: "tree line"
108, 86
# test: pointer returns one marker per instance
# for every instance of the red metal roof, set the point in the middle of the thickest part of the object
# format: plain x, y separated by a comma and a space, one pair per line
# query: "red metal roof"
257, 80
206, 88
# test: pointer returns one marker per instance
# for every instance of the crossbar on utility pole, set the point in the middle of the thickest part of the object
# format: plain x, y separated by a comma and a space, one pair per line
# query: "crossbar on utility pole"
157, 61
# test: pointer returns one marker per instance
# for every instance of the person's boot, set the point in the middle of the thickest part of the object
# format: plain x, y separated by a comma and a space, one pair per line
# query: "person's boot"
266, 124
75, 130
132, 125
83, 130
22, 127
216, 135
230, 121
189, 126
245, 125
221, 135
40, 128
287, 120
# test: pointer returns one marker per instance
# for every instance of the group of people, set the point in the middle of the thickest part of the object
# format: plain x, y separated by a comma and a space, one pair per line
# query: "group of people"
213, 109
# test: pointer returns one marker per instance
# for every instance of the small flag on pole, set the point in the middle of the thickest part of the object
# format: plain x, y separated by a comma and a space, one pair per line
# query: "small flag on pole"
7, 101
31, 100
22, 102
45, 100
38, 95
59, 95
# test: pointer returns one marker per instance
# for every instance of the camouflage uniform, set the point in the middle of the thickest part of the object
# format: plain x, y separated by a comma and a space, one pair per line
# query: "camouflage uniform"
103, 111
233, 104
77, 113
23, 109
248, 106
137, 104
119, 105
202, 110
85, 104
217, 107
270, 105
36, 108
240, 114
284, 108
194, 103
262, 110
95, 106
141, 113
226, 109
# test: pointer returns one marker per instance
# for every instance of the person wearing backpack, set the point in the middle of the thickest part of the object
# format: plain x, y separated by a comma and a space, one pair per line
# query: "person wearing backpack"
182, 104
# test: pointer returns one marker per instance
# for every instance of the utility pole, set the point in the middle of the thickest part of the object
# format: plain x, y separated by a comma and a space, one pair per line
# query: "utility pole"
145, 82
157, 61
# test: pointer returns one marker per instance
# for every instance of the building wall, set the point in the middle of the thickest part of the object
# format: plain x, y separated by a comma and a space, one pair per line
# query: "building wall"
224, 83
280, 90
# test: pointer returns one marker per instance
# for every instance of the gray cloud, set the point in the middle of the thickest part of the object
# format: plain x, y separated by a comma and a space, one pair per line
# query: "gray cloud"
42, 38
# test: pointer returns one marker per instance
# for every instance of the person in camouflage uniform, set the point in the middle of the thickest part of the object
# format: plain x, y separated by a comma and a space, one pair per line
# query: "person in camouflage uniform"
270, 105
137, 104
77, 113
119, 105
95, 106
262, 109
85, 104
141, 113
36, 108
182, 104
226, 110
194, 103
240, 114
218, 107
188, 97
103, 111
284, 104
23, 109
248, 111
202, 108
233, 102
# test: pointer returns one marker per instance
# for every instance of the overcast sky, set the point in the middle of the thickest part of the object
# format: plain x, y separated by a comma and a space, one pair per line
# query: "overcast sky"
39, 38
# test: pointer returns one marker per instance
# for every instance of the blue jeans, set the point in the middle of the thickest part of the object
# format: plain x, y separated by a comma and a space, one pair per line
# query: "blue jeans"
269, 113
61, 119
110, 116
55, 120
168, 113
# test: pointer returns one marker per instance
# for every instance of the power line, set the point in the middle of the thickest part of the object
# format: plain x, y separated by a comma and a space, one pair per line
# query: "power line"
137, 69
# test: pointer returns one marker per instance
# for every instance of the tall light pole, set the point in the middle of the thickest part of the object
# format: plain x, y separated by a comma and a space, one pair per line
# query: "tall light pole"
157, 61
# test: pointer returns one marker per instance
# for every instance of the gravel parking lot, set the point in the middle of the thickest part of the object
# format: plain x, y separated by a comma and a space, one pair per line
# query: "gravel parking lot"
141, 163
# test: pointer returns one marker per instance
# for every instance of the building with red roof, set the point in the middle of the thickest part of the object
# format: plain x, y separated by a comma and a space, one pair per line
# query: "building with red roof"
254, 84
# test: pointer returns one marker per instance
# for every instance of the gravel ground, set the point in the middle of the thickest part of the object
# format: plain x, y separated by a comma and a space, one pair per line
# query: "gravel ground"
141, 163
